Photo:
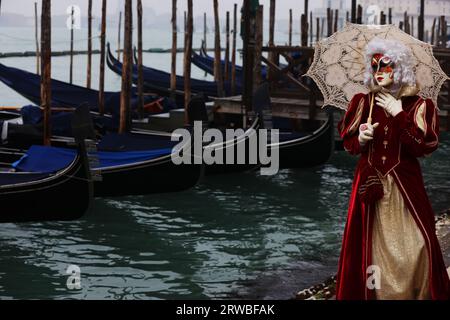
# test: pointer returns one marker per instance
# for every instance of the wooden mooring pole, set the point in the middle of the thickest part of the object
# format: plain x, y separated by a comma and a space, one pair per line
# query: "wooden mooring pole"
125, 97
233, 52
272, 27
247, 96
119, 36
290, 28
46, 50
72, 22
173, 69
187, 60
140, 62
359, 15
217, 56
353, 11
422, 20
101, 93
443, 37
227, 48
304, 30
329, 22
382, 18
272, 57
406, 22
89, 55
304, 26
259, 27
433, 32
336, 20
36, 36
205, 32
311, 28
317, 29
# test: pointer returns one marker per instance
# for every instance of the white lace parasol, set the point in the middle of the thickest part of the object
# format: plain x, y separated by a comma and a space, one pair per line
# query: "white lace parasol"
339, 63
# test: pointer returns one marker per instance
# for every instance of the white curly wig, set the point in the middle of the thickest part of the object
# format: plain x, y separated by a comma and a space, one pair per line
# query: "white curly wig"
400, 55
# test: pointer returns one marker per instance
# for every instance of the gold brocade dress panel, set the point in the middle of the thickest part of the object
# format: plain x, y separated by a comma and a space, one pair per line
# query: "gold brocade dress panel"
398, 249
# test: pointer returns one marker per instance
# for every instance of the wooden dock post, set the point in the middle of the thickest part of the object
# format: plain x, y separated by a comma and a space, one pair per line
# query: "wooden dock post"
119, 36
422, 20
101, 93
390, 16
304, 30
140, 62
173, 68
187, 60
353, 11
336, 20
46, 51
247, 96
125, 97
233, 52
443, 36
317, 29
306, 10
205, 32
433, 32
347, 16
259, 27
329, 22
272, 11
382, 18
322, 28
72, 22
304, 26
406, 22
359, 15
227, 48
290, 28
89, 55
217, 56
311, 28
36, 36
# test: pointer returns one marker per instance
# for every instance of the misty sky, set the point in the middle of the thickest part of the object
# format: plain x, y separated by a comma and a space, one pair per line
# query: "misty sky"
26, 7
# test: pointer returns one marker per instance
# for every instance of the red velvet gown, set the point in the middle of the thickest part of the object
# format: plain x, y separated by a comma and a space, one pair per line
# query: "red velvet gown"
398, 142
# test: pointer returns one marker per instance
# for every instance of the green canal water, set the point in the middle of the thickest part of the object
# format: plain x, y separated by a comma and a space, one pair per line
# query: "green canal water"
234, 236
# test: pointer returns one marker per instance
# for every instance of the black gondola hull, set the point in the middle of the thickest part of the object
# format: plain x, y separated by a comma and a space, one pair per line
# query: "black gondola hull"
160, 176
64, 196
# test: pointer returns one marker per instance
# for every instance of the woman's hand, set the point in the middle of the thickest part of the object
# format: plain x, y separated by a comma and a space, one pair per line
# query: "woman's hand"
366, 133
389, 103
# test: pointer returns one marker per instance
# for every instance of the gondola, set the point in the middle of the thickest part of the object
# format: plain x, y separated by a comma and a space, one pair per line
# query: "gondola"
145, 157
205, 62
157, 81
135, 163
68, 95
49, 191
296, 149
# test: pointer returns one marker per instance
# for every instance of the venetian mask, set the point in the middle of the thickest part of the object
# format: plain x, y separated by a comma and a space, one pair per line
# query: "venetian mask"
383, 70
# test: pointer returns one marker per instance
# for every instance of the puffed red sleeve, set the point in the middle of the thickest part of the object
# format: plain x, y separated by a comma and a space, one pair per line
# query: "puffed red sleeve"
419, 128
349, 125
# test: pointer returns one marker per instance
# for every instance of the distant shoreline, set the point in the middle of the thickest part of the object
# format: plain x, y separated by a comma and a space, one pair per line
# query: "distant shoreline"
27, 54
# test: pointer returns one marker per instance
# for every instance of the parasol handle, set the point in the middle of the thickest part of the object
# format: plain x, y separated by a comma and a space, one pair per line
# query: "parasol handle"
369, 119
